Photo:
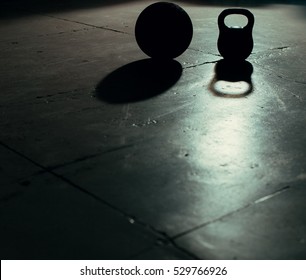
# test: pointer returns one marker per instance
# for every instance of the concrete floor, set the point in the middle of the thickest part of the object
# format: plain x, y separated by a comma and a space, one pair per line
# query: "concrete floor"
106, 155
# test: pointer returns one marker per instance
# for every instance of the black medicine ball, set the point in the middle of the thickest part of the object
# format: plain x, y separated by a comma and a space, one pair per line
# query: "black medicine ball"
163, 30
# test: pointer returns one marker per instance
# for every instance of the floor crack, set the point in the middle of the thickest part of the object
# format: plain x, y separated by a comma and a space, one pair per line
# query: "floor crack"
200, 64
209, 53
271, 49
274, 72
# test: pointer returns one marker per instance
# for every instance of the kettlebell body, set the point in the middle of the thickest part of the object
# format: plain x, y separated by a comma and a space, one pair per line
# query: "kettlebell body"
235, 43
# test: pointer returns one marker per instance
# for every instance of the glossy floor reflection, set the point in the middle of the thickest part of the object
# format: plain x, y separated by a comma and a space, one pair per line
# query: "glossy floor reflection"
208, 163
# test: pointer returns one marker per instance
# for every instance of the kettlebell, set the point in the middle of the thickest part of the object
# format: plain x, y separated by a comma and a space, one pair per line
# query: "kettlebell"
235, 43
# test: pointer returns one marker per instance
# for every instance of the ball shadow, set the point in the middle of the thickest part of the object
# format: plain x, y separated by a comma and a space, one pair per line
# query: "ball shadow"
138, 81
235, 79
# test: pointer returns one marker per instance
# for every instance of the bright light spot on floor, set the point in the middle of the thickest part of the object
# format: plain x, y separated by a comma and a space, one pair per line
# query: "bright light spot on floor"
232, 88
230, 138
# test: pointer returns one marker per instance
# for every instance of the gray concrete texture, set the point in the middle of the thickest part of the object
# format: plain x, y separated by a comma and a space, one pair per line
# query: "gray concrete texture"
106, 154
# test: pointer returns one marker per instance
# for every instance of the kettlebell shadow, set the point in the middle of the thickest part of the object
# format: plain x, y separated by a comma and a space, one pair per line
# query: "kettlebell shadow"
138, 80
232, 79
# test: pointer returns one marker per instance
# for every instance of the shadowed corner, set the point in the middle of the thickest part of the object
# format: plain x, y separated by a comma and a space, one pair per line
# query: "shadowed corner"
139, 80
232, 79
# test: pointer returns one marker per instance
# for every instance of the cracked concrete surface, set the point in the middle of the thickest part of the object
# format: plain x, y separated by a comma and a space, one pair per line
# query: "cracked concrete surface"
106, 155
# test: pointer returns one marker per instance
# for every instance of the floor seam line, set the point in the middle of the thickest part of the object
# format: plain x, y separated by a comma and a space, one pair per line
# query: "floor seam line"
88, 24
73, 21
84, 158
28, 37
63, 179
129, 217
183, 250
262, 199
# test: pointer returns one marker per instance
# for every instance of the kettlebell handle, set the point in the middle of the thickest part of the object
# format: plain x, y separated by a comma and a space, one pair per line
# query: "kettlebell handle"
243, 12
